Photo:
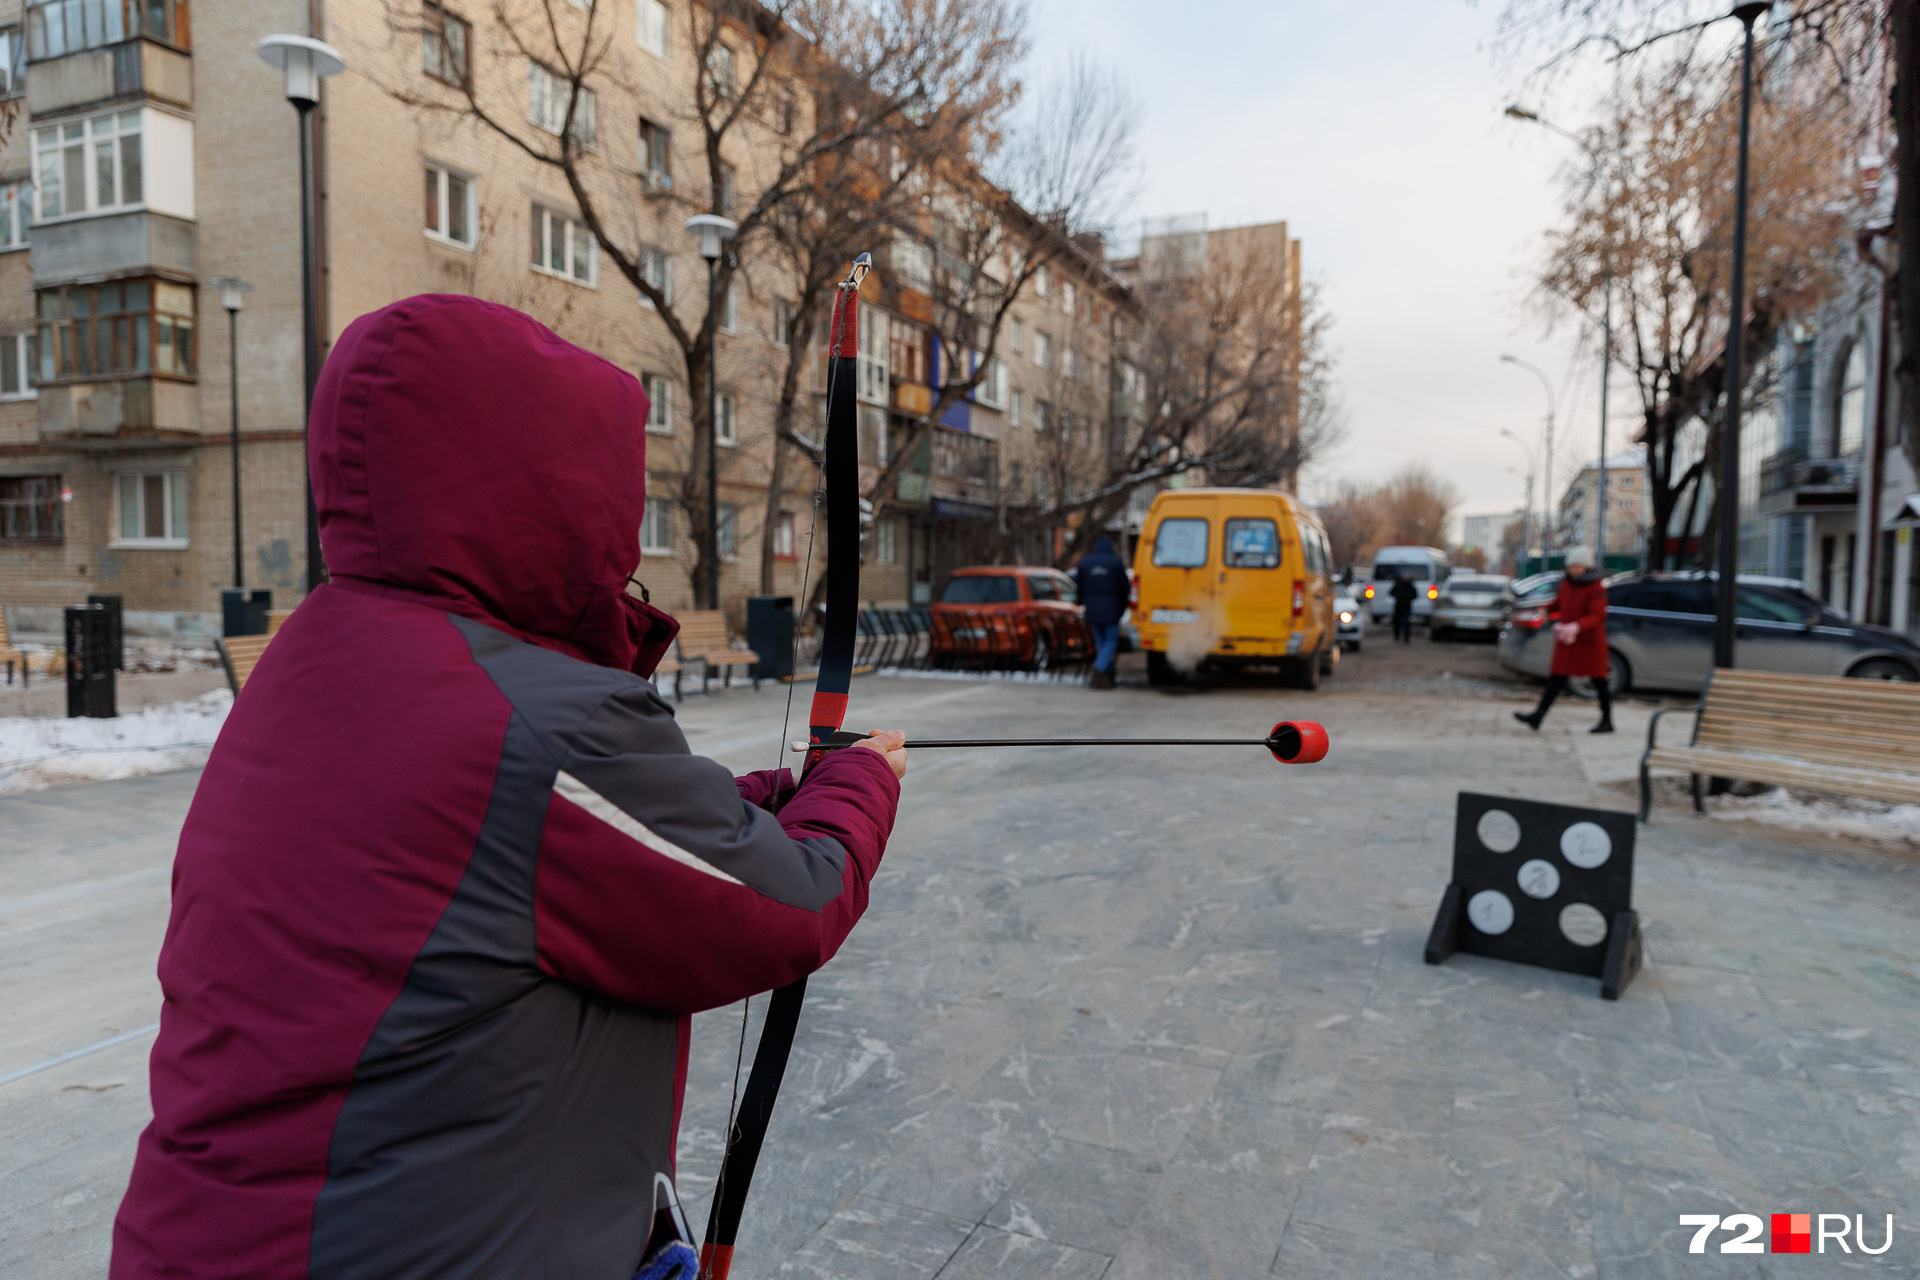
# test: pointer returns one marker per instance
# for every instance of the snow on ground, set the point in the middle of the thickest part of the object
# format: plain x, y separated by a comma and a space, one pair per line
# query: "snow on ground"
41, 752
1873, 820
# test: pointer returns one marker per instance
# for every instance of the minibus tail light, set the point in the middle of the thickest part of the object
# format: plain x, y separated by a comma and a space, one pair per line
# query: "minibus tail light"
1299, 597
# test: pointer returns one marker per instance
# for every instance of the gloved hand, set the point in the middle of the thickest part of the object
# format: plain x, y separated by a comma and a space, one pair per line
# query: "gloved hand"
1565, 632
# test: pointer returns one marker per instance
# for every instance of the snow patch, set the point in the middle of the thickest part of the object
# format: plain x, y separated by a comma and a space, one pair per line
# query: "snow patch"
41, 752
1871, 820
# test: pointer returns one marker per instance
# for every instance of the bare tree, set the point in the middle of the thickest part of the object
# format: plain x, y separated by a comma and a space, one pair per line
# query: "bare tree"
781, 86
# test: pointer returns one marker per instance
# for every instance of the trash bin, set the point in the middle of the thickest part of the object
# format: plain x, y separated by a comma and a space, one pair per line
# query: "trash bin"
90, 690
117, 635
770, 634
243, 612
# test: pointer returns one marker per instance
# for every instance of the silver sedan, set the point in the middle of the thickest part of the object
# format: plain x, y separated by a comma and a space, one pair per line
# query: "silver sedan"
1660, 634
1469, 602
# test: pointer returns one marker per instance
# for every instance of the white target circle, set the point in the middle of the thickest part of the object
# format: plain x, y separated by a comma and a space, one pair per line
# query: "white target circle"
1498, 830
1586, 845
1539, 878
1583, 925
1490, 911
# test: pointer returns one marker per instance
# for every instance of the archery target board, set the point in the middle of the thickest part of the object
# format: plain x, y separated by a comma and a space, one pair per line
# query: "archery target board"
1542, 884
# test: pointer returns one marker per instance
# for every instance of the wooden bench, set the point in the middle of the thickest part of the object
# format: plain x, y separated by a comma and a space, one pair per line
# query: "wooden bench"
239, 655
276, 618
11, 655
1818, 733
703, 636
669, 666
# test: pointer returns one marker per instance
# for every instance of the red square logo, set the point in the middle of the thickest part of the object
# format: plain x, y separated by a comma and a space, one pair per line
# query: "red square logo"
1793, 1233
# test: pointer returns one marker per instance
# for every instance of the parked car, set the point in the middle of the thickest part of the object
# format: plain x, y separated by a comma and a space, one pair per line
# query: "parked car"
1660, 634
1469, 602
1430, 568
1352, 620
1234, 578
1005, 615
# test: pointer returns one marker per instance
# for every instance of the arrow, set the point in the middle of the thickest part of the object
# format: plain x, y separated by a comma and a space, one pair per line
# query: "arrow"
1292, 742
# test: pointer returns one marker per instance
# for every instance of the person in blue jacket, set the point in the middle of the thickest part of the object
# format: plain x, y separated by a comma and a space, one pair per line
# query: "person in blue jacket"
1102, 578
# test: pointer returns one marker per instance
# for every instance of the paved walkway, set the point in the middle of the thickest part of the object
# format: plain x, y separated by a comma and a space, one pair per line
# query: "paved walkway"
1164, 1014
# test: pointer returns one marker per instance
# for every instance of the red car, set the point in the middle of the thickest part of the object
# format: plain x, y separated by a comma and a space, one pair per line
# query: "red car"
1007, 615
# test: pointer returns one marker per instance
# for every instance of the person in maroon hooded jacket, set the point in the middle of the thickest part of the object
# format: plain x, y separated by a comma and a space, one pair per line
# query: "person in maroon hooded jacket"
1579, 640
452, 884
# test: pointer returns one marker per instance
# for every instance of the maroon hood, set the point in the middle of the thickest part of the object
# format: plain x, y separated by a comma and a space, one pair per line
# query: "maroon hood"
466, 457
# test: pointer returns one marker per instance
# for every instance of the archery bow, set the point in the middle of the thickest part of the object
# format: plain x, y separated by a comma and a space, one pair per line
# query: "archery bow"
840, 481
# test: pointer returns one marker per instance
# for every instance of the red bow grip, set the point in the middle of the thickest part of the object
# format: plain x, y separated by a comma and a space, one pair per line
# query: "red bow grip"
1298, 742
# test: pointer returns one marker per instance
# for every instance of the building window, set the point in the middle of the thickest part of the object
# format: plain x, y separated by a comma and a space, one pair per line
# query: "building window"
730, 308
30, 509
650, 27
563, 247
1070, 363
451, 212
548, 96
728, 532
724, 419
18, 356
886, 544
1042, 349
784, 543
1066, 297
89, 166
992, 391
656, 526
656, 155
120, 327
782, 323
874, 340
720, 71
16, 214
1017, 403
659, 403
1041, 412
150, 509
1019, 339
656, 268
59, 27
1043, 282
444, 40
13, 63
1850, 427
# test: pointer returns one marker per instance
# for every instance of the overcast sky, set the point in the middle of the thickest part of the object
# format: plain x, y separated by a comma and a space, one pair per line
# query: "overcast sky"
1375, 131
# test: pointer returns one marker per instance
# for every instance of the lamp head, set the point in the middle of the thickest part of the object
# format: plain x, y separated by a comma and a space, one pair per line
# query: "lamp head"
1519, 112
713, 231
306, 61
231, 290
1507, 359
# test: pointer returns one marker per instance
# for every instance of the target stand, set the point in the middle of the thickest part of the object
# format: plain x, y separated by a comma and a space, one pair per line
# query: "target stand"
1542, 884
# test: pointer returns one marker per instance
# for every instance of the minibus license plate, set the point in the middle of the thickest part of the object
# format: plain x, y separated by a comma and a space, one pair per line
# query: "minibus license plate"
1165, 616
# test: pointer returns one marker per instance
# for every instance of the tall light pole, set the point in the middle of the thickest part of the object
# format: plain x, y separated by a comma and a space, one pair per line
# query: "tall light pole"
1727, 600
1526, 509
1546, 476
714, 231
231, 290
306, 61
1518, 112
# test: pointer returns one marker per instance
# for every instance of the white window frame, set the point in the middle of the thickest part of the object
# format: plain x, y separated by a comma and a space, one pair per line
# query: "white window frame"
656, 268
444, 176
16, 353
1018, 339
16, 215
1066, 296
656, 526
576, 234
786, 536
1043, 348
547, 99
1015, 403
657, 168
48, 180
437, 53
175, 513
992, 390
1070, 363
1043, 282
659, 390
726, 529
782, 323
652, 29
886, 542
726, 421
875, 341
730, 308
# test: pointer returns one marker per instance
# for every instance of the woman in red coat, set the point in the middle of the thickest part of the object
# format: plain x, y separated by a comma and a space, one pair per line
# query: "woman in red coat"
1579, 639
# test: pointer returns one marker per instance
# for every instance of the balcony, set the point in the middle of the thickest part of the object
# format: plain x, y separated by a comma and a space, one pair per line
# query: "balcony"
1791, 481
964, 476
129, 69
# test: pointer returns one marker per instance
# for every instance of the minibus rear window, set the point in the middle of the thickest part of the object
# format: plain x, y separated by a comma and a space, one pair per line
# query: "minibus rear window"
1253, 544
1181, 544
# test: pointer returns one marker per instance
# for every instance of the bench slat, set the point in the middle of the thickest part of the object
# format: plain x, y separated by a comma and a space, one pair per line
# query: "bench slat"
1874, 784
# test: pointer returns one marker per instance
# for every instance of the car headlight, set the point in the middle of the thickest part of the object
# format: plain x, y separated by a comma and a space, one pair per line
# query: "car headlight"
1346, 617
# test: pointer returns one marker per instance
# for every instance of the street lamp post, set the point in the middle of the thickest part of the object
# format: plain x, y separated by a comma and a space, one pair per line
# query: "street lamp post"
1729, 550
1546, 477
306, 62
713, 231
1526, 507
231, 290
